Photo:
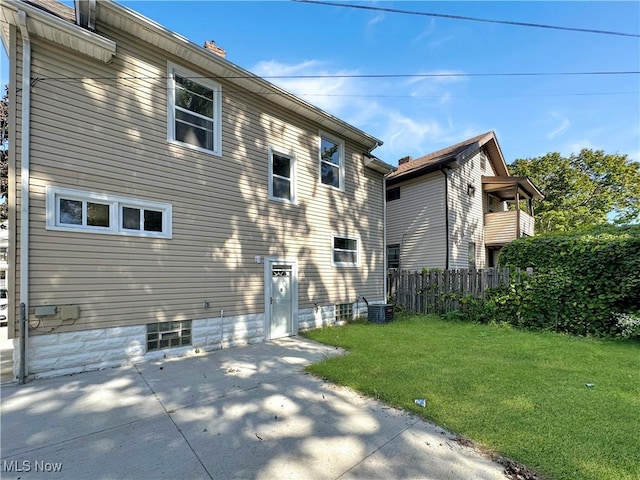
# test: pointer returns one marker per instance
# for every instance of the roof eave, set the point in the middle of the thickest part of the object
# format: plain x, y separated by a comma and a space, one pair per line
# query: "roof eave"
418, 172
378, 165
522, 183
490, 142
57, 30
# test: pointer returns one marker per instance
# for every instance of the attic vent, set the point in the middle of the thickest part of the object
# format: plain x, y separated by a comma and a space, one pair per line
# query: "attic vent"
212, 47
404, 160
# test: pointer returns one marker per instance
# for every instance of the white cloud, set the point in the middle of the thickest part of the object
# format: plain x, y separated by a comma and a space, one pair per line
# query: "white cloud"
440, 41
413, 128
576, 146
328, 90
417, 136
563, 127
426, 32
438, 77
375, 20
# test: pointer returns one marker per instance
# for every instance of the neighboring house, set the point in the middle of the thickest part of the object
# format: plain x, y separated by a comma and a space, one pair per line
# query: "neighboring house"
176, 202
450, 209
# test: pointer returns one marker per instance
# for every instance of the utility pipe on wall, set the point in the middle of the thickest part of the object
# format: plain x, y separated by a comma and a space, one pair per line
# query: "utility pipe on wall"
24, 193
444, 171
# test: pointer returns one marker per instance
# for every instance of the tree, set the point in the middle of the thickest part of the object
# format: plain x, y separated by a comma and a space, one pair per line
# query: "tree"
583, 190
4, 154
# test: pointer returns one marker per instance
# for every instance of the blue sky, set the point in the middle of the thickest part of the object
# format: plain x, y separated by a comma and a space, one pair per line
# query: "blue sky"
532, 115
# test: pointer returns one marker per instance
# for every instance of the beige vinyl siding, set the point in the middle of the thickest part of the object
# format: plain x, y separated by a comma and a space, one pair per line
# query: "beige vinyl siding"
466, 213
501, 228
103, 131
416, 221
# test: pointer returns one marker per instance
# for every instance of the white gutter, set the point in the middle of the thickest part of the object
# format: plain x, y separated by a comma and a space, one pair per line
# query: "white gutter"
24, 193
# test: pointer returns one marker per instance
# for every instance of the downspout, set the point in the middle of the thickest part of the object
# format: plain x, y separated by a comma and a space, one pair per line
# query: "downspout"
518, 229
24, 195
444, 171
384, 239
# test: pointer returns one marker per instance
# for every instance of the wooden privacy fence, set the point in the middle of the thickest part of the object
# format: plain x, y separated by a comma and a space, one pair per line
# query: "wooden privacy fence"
441, 291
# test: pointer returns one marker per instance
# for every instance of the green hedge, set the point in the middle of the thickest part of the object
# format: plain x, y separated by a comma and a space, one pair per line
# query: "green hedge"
581, 281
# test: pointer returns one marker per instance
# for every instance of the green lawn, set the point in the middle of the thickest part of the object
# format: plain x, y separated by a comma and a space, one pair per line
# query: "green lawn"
521, 394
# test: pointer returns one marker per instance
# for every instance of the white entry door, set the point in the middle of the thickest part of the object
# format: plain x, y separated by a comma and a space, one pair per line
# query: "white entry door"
281, 296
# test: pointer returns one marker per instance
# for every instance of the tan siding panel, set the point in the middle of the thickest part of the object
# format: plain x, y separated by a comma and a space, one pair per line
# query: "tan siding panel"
466, 215
105, 131
417, 222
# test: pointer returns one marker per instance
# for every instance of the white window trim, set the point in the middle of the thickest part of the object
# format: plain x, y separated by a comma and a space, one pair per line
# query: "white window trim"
341, 153
115, 218
293, 174
172, 69
358, 255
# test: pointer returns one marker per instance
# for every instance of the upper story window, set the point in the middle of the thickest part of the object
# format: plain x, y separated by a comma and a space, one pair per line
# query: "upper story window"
77, 210
346, 251
194, 110
282, 176
393, 194
331, 161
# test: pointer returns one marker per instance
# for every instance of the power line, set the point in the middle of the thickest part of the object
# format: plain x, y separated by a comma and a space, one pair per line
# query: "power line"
346, 75
472, 19
373, 95
52, 80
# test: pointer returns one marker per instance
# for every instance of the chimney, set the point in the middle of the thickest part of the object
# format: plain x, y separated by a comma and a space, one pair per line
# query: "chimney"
404, 160
212, 47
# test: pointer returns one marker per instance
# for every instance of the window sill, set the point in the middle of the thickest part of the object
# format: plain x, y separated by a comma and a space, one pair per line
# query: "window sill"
188, 146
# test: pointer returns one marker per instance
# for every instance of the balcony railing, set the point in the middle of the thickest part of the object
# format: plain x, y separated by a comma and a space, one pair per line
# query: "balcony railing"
500, 228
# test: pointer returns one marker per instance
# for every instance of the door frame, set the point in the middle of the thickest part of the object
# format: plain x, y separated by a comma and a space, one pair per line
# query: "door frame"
269, 262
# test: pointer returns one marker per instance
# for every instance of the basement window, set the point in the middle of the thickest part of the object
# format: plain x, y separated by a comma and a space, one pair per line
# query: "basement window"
344, 312
168, 335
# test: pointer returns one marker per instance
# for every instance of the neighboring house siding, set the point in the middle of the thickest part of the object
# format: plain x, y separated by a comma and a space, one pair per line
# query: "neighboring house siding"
106, 132
417, 221
502, 229
466, 212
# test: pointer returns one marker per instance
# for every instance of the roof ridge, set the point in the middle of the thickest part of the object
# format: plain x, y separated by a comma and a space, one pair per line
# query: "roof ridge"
437, 156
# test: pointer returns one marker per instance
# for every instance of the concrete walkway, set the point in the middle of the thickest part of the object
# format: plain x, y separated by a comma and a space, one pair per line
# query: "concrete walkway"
248, 412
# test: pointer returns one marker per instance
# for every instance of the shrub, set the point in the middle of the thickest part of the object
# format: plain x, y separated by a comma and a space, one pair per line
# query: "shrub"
580, 279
